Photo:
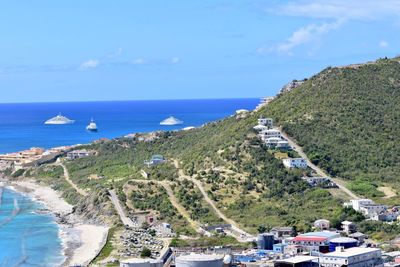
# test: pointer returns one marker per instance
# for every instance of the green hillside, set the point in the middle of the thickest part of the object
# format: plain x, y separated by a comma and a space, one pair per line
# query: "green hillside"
348, 122
237, 171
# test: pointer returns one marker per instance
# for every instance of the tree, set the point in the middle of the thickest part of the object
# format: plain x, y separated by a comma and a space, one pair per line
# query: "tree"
145, 253
262, 229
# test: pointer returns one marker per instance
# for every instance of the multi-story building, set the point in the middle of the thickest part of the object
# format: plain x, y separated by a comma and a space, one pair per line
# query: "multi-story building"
314, 241
352, 257
299, 163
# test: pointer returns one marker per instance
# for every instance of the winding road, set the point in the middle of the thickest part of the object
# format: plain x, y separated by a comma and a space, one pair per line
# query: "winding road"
67, 178
317, 169
237, 232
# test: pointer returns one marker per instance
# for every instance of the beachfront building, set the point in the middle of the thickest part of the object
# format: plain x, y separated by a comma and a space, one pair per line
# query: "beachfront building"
352, 257
77, 154
299, 163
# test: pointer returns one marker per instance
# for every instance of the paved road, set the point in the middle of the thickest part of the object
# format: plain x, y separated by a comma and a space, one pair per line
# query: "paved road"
117, 205
67, 178
318, 170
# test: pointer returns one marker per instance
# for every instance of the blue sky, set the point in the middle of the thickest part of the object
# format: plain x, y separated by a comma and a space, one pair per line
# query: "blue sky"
126, 50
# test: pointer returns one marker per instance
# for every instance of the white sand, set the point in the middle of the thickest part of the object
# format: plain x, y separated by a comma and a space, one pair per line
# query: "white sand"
92, 238
87, 240
48, 196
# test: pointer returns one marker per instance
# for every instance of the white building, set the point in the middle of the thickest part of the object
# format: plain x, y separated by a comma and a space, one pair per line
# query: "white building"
295, 163
283, 144
349, 227
372, 210
352, 257
136, 262
270, 133
272, 141
260, 128
358, 203
266, 122
77, 154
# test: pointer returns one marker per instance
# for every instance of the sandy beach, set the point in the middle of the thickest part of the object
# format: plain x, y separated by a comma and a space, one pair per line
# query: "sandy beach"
82, 242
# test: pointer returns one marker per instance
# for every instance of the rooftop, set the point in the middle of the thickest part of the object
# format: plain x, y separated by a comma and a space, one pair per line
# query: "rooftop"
326, 234
200, 257
310, 238
139, 260
299, 259
350, 252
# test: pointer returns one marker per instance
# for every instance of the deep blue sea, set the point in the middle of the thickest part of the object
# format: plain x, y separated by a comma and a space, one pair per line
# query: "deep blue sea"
31, 239
22, 125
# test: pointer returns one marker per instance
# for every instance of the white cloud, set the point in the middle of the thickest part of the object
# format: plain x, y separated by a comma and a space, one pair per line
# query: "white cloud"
140, 61
383, 44
340, 9
304, 35
175, 60
90, 64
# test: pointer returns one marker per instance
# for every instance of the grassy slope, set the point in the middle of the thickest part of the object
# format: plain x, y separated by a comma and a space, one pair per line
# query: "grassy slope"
266, 193
348, 121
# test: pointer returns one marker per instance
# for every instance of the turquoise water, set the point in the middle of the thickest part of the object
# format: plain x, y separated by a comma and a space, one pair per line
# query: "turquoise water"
26, 237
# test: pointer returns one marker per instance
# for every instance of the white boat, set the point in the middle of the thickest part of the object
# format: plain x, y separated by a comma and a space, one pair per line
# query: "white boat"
92, 126
59, 119
171, 121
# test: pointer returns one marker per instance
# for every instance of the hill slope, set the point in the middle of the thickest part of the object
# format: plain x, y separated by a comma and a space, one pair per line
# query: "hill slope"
348, 121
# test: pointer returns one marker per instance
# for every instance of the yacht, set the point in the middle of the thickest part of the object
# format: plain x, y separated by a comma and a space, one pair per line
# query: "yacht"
92, 126
171, 121
59, 119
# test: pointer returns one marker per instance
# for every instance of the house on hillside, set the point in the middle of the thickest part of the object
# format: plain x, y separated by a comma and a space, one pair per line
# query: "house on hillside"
282, 232
299, 163
323, 182
266, 122
265, 134
272, 142
349, 227
155, 160
322, 224
283, 145
78, 154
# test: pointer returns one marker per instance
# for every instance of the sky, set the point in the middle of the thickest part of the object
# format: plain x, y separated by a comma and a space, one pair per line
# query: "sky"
131, 50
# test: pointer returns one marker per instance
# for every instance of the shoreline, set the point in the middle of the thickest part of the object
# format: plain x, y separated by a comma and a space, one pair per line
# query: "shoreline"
81, 242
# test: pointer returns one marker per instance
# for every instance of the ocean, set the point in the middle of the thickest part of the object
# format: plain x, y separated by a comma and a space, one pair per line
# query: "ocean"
28, 238
22, 125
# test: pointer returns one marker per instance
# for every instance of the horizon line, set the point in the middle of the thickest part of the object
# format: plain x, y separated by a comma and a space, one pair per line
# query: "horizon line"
128, 100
